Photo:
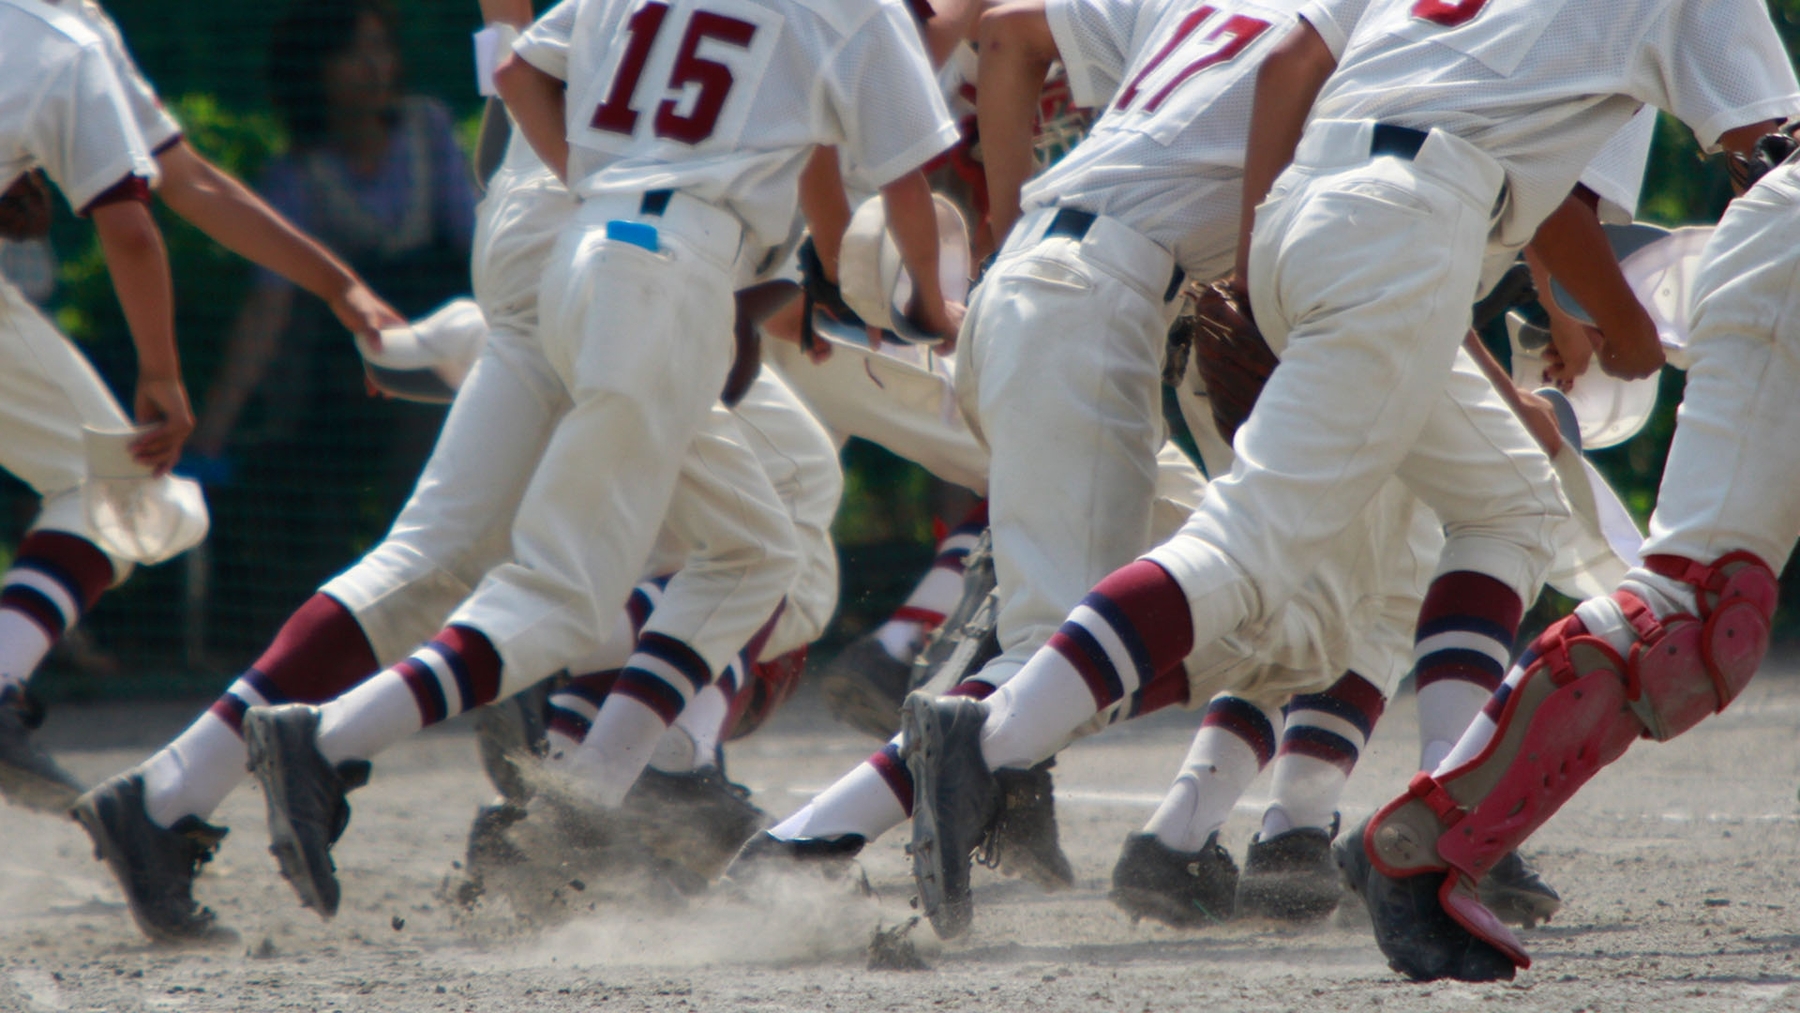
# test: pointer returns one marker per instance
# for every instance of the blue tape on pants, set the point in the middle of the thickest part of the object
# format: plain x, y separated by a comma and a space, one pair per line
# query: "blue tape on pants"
635, 233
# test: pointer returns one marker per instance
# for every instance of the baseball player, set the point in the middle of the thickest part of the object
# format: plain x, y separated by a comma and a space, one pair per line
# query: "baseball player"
64, 565
1685, 631
679, 196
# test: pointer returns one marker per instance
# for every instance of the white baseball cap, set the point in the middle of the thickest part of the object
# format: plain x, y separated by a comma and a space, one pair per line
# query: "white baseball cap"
872, 275
428, 359
131, 513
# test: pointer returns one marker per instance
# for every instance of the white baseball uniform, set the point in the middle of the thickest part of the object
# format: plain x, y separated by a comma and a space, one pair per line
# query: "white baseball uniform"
1729, 483
457, 525
62, 109
684, 179
1059, 365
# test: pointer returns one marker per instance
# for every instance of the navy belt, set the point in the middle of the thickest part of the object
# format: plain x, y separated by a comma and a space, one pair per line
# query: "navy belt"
1075, 225
639, 234
1400, 142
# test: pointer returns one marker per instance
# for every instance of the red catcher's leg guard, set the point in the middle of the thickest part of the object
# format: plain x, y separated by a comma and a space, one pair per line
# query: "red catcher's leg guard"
1577, 708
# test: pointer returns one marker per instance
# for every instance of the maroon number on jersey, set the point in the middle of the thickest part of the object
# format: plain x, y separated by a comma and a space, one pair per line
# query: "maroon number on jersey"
1234, 34
714, 79
1448, 13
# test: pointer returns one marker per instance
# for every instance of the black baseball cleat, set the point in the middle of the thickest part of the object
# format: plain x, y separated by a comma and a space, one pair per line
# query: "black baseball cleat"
1025, 840
28, 776
864, 686
697, 819
305, 796
155, 867
1515, 892
1415, 933
766, 854
1183, 889
511, 736
956, 801
1290, 877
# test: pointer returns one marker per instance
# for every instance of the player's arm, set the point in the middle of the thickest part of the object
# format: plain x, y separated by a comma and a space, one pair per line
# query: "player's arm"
225, 209
1573, 248
1017, 48
826, 207
912, 221
1534, 411
139, 266
516, 13
1286, 85
537, 101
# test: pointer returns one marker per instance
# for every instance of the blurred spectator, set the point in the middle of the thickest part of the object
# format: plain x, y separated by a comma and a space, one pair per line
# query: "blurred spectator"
318, 469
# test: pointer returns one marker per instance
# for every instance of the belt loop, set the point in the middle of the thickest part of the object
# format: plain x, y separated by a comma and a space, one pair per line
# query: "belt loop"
655, 202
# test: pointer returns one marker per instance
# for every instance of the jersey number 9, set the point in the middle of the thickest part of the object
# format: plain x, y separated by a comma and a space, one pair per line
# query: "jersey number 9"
713, 78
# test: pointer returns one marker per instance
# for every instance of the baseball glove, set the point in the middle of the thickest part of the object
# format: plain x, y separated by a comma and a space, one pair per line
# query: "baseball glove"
25, 209
1230, 354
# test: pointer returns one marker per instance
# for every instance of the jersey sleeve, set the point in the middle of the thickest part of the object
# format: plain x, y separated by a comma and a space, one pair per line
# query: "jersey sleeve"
158, 127
1334, 20
1617, 173
82, 131
886, 99
545, 45
1718, 65
1093, 38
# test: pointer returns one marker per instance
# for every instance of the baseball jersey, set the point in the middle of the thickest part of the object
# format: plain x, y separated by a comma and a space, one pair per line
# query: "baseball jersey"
1617, 173
62, 108
159, 128
1178, 81
1540, 85
725, 99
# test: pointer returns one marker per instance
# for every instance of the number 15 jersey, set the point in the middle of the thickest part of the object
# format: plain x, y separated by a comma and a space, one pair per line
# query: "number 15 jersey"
724, 99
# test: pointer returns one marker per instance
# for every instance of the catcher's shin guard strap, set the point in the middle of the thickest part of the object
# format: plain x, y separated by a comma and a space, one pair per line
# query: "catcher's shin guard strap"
1694, 667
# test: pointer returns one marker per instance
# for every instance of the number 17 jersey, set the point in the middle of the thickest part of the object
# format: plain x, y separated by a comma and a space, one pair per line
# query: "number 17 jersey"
724, 99
1177, 80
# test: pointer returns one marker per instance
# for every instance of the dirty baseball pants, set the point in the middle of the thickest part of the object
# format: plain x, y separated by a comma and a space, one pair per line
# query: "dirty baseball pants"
1059, 372
1362, 271
640, 341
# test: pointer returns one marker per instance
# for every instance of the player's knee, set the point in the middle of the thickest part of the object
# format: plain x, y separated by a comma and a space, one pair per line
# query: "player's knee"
1689, 666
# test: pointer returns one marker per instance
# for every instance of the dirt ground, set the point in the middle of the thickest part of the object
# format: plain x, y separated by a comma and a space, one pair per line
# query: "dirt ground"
1677, 867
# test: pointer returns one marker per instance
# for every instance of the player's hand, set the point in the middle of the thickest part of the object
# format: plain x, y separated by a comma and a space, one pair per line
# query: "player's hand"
1566, 359
365, 314
1637, 355
938, 316
163, 403
1540, 420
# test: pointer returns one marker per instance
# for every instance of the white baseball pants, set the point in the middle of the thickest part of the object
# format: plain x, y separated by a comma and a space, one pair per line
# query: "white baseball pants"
1362, 272
1059, 370
1732, 481
48, 392
641, 341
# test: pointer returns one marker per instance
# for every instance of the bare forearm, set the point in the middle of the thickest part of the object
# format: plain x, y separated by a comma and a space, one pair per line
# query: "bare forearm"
1286, 85
912, 221
226, 210
1573, 247
1016, 51
1491, 368
139, 266
825, 206
537, 103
